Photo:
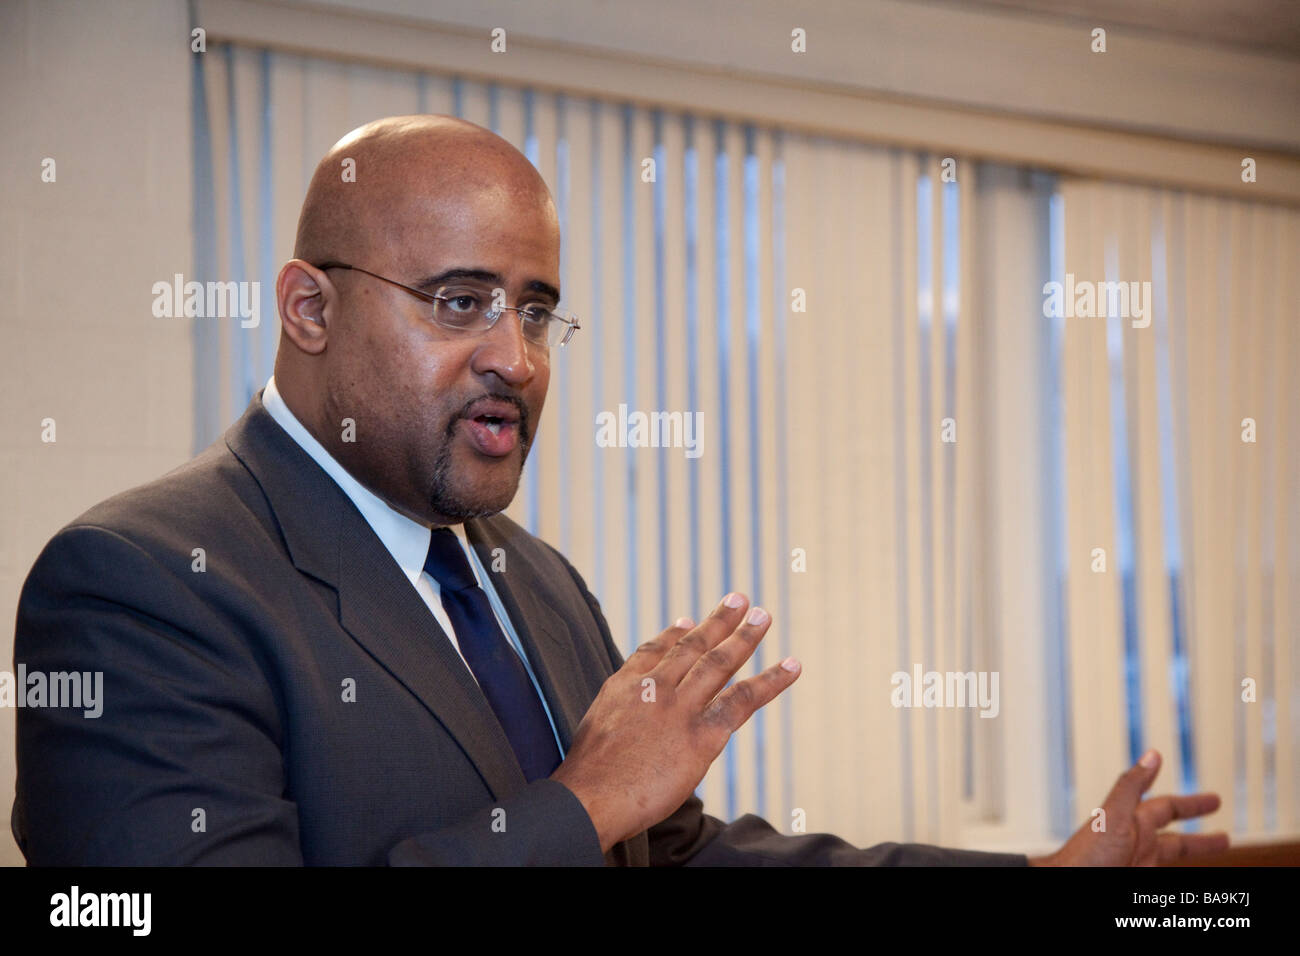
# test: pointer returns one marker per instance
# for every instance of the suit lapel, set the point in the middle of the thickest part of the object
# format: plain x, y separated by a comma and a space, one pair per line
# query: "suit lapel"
386, 616
328, 539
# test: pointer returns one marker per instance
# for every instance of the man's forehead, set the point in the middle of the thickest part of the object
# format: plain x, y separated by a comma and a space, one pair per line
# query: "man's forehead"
497, 243
484, 206
476, 225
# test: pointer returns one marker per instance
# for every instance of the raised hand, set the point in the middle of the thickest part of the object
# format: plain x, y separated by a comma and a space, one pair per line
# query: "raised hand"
659, 722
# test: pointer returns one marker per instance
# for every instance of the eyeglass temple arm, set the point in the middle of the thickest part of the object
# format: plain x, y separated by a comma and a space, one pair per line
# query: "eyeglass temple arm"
333, 264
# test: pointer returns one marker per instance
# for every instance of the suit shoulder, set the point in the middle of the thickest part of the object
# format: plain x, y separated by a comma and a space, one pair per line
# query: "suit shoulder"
212, 496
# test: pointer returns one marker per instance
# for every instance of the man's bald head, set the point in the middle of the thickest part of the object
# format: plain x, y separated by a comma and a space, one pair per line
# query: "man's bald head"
394, 161
442, 418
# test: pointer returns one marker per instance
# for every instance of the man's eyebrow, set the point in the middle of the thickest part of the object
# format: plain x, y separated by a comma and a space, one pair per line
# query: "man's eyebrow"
442, 278
483, 275
545, 288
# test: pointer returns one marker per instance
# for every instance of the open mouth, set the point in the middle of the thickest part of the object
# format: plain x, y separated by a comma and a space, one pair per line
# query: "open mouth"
493, 427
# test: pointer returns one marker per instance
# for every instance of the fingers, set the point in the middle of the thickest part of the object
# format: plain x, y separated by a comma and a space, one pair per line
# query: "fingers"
647, 655
710, 673
738, 702
1160, 811
1128, 789
1172, 847
701, 639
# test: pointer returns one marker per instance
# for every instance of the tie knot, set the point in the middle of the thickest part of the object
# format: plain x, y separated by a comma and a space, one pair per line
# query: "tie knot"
447, 563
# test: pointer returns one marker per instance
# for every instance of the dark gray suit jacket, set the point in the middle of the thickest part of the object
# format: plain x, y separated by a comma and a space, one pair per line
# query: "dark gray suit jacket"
226, 737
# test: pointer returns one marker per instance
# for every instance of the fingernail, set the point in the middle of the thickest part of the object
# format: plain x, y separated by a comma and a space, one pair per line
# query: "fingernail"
1150, 760
791, 665
757, 616
683, 622
733, 600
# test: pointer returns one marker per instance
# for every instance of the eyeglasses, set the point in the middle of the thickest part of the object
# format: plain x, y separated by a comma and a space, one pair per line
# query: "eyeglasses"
465, 306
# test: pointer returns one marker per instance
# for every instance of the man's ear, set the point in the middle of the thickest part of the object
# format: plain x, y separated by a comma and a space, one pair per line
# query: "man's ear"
301, 291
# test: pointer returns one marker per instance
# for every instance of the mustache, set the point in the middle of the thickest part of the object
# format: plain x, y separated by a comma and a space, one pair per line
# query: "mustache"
525, 425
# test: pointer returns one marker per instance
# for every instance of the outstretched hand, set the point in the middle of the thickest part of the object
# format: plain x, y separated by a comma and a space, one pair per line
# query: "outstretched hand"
1130, 831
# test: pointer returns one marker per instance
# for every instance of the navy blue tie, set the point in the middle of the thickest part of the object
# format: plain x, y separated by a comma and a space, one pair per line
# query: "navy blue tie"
496, 665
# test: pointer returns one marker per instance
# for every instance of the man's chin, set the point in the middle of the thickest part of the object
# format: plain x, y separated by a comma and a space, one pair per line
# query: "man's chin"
471, 485
477, 502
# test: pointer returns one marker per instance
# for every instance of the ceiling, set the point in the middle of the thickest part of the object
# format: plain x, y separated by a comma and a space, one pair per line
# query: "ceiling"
1271, 26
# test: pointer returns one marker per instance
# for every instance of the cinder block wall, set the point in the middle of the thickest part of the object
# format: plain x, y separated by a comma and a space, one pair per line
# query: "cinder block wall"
103, 90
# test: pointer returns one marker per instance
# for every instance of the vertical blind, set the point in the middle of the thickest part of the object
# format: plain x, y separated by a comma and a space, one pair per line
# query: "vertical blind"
902, 456
1183, 464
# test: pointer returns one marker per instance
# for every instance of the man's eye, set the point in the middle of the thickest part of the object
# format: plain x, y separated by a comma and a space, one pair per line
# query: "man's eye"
537, 314
462, 303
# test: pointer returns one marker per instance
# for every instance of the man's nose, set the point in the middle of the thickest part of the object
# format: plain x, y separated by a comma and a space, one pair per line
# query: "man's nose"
504, 350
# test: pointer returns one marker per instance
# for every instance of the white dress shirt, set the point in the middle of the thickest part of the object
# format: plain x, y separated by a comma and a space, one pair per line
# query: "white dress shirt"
406, 540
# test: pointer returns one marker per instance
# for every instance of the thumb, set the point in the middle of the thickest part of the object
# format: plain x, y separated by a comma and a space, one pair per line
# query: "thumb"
1128, 789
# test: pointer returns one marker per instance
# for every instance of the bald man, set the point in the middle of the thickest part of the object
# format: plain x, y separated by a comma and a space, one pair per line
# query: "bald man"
322, 643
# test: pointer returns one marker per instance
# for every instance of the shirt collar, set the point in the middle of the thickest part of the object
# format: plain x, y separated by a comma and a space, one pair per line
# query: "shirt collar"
406, 540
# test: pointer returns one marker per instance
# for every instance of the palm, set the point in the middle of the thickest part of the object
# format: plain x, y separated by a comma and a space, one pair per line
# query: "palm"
1129, 834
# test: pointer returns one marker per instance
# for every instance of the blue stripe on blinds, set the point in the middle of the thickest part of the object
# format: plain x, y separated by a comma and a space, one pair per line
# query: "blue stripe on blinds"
1061, 792
1164, 399
494, 108
780, 305
691, 195
947, 325
530, 128
691, 162
1162, 251
564, 423
925, 322
241, 369
597, 334
901, 296
1233, 300
630, 178
207, 413
1183, 371
1125, 555
752, 333
661, 348
458, 96
722, 272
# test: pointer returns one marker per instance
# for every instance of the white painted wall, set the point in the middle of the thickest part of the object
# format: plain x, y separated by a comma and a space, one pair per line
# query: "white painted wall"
103, 89
979, 57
